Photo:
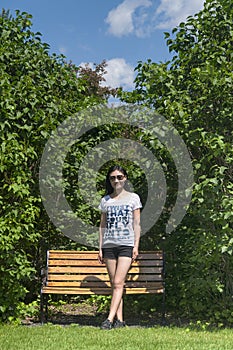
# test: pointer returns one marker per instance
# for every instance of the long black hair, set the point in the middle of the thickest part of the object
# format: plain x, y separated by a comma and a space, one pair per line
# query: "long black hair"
109, 188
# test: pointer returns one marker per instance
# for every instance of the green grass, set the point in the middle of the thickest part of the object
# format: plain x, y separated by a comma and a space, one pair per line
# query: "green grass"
72, 337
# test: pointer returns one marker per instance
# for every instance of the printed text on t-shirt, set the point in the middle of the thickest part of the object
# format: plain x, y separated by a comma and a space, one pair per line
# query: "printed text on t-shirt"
117, 221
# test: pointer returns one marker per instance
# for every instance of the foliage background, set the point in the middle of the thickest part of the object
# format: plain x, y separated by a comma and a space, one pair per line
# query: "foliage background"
38, 91
193, 91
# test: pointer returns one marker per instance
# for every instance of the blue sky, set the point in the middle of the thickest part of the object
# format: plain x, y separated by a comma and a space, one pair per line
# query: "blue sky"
122, 32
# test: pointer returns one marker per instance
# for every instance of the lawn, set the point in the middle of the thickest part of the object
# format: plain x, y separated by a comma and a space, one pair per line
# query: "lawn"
72, 337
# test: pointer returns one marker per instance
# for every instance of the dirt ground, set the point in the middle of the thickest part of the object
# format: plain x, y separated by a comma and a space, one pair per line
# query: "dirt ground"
85, 314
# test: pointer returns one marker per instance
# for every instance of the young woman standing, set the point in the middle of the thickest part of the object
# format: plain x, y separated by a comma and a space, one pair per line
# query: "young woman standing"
119, 238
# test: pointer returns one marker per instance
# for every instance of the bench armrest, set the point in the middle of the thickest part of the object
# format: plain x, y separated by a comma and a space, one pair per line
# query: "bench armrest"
43, 274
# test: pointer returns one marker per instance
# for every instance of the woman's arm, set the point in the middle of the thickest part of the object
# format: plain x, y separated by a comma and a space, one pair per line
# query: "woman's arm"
101, 230
137, 232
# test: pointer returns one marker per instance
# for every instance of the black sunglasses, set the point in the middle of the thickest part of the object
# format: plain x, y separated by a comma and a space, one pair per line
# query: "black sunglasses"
118, 177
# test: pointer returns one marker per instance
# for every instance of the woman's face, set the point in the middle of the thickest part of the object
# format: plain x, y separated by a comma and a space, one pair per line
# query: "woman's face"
117, 180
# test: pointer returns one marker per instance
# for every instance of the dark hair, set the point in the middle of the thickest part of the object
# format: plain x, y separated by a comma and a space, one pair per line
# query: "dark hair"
109, 188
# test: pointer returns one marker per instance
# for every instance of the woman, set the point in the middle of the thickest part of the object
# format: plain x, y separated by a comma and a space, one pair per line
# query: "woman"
119, 238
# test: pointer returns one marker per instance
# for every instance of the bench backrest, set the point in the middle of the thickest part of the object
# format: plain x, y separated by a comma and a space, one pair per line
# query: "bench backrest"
70, 270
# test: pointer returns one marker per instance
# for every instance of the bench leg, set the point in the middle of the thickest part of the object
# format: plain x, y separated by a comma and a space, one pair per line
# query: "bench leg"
46, 308
43, 308
164, 322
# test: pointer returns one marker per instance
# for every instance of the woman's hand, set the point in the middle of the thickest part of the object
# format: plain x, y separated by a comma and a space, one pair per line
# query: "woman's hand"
135, 253
100, 257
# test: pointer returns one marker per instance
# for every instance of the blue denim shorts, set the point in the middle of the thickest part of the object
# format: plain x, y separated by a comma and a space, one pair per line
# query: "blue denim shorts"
116, 251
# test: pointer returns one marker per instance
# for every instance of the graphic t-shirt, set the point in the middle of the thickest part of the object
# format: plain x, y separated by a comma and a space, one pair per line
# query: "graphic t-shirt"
119, 219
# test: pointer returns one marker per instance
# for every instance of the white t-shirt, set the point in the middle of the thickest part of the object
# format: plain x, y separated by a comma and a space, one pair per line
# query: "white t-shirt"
119, 219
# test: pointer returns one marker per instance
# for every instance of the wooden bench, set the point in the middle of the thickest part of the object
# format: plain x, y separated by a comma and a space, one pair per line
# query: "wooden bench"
79, 272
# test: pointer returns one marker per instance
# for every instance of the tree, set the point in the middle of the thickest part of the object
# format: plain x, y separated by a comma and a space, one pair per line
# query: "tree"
194, 91
38, 92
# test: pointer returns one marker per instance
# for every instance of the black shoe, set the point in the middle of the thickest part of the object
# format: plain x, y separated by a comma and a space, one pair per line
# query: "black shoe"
119, 324
106, 324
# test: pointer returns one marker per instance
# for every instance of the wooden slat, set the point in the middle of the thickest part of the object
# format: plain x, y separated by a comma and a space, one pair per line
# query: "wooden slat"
73, 262
144, 290
91, 270
142, 270
158, 256
100, 291
84, 284
78, 277
78, 291
71, 254
92, 252
101, 284
145, 278
148, 263
83, 262
141, 284
81, 252
101, 269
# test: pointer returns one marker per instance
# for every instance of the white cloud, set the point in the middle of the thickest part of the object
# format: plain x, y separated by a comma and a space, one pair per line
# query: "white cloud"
171, 12
119, 73
134, 17
120, 19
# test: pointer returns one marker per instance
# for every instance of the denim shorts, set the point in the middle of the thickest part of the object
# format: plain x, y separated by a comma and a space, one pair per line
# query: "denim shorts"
116, 251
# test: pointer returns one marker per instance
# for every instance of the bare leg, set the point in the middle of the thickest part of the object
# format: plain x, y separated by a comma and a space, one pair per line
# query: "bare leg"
118, 272
111, 265
119, 313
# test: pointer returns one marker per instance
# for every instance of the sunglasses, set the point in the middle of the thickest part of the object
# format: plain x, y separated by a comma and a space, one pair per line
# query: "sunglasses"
118, 177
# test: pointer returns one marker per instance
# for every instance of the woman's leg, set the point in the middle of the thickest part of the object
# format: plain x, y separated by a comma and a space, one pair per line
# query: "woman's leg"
119, 313
121, 268
111, 267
